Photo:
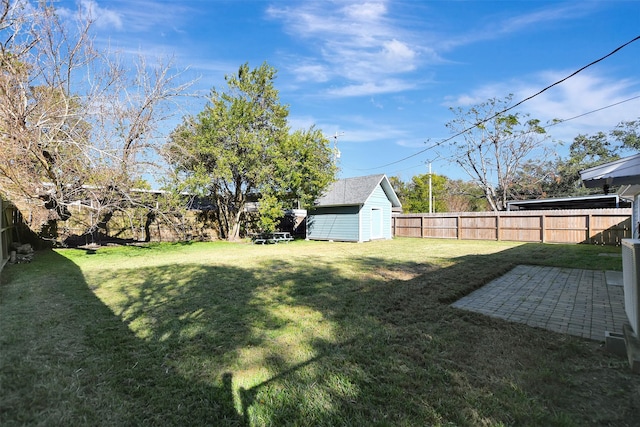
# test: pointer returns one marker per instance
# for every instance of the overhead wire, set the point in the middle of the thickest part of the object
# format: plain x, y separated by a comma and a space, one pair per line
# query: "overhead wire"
555, 123
591, 112
514, 106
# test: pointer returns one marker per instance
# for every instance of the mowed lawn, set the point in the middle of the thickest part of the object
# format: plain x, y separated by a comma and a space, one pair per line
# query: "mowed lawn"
306, 333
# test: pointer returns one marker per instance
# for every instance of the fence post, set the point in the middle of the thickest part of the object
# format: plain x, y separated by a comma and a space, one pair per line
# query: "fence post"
497, 226
543, 232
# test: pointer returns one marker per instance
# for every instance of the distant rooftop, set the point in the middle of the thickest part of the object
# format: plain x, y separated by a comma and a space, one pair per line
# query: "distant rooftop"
598, 201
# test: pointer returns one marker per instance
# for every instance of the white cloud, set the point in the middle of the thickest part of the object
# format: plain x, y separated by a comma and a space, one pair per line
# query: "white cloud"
581, 95
104, 18
158, 17
584, 95
360, 42
554, 13
355, 41
371, 88
494, 27
301, 122
369, 11
140, 16
412, 143
311, 72
362, 129
399, 55
354, 129
376, 103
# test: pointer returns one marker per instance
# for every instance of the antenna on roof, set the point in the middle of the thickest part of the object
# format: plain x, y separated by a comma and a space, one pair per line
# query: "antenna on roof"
336, 152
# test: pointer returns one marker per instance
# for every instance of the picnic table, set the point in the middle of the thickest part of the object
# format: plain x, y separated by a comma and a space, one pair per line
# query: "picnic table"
279, 236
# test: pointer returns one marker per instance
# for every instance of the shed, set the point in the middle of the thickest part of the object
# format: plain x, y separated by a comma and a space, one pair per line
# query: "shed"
354, 210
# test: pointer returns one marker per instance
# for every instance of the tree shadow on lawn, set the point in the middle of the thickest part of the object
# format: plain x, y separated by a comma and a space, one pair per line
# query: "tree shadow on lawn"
68, 360
402, 355
310, 342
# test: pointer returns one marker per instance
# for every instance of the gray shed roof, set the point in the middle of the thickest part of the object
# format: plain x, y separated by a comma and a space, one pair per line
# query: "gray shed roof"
356, 191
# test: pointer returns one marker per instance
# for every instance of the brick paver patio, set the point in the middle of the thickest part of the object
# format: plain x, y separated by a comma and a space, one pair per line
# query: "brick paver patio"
578, 302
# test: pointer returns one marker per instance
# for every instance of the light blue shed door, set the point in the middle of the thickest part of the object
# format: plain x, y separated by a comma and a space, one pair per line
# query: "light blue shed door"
376, 223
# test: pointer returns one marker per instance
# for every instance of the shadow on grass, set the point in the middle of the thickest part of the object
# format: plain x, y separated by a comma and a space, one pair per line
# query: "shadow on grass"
66, 359
402, 355
302, 341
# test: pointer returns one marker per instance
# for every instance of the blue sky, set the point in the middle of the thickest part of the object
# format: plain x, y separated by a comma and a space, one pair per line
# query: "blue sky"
383, 74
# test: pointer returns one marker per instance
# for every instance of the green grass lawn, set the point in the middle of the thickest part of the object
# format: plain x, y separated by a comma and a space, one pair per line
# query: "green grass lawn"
306, 333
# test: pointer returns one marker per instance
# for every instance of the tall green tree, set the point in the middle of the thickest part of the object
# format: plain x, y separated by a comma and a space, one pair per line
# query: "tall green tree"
400, 188
628, 133
584, 152
534, 180
417, 196
561, 177
447, 195
240, 147
492, 146
464, 196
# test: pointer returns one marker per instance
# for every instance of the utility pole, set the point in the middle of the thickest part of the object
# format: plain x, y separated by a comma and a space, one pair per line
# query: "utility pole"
430, 196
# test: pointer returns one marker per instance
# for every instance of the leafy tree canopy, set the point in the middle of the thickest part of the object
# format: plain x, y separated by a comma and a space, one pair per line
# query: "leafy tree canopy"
417, 198
561, 177
447, 195
492, 146
239, 148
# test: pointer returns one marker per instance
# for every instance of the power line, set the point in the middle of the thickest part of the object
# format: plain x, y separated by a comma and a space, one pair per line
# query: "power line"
561, 121
591, 112
419, 165
573, 74
558, 122
513, 106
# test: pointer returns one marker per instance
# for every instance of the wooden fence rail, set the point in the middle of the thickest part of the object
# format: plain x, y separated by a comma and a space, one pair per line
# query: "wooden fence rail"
595, 226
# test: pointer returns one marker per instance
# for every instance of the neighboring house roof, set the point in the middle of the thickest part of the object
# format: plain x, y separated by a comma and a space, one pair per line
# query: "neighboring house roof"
619, 172
356, 191
597, 201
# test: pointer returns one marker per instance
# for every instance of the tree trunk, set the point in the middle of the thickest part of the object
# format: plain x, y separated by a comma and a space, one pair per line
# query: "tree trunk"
234, 232
151, 216
102, 225
491, 198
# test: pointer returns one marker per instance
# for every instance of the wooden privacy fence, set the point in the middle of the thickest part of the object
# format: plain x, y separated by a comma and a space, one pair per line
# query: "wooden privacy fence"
596, 226
7, 213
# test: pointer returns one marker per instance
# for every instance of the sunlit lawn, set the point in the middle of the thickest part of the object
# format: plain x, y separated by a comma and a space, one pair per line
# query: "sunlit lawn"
306, 333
